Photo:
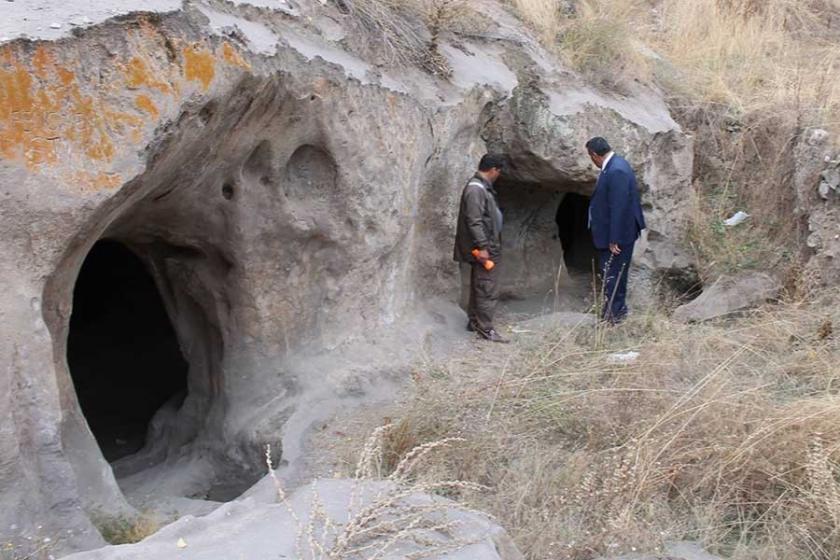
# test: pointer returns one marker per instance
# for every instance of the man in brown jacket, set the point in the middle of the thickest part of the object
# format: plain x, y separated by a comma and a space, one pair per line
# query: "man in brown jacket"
478, 245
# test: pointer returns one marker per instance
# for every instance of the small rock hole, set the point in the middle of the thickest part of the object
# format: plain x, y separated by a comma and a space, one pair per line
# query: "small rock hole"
227, 191
206, 113
171, 54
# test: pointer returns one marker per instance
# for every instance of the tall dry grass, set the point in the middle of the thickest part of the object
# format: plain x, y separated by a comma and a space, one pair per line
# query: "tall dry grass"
728, 434
408, 31
754, 56
747, 54
542, 15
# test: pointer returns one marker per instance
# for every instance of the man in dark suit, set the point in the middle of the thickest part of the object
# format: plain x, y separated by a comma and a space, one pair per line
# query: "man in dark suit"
616, 221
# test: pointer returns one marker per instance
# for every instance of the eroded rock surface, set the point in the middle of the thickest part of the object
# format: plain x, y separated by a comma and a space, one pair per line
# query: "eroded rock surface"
293, 197
250, 529
296, 529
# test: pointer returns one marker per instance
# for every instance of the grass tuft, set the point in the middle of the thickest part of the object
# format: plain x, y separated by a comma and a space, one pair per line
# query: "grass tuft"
126, 530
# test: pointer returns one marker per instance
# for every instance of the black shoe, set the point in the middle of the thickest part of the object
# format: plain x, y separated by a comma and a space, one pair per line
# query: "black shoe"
493, 336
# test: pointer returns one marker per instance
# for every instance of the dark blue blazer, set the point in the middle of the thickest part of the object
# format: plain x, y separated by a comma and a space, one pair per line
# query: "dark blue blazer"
615, 210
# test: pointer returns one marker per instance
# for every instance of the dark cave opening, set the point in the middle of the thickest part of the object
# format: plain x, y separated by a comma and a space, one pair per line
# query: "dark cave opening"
573, 231
122, 350
546, 245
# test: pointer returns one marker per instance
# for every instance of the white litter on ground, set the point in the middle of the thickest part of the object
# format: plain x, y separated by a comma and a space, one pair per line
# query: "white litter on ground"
623, 358
737, 218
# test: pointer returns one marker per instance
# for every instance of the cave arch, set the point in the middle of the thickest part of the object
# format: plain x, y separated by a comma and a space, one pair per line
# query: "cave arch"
122, 350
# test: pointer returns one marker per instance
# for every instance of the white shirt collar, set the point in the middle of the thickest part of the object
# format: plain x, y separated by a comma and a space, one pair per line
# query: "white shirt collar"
607, 159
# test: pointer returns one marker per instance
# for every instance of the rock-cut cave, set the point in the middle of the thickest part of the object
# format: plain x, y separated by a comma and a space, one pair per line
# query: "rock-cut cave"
122, 349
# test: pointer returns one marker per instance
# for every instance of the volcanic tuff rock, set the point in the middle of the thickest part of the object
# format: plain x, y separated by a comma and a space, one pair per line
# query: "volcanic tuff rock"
293, 195
249, 529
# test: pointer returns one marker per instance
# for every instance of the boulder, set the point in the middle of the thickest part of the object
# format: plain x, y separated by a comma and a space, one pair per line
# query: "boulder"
728, 295
319, 515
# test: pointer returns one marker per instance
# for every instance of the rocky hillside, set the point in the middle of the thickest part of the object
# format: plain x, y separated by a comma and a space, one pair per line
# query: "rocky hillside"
223, 220
292, 192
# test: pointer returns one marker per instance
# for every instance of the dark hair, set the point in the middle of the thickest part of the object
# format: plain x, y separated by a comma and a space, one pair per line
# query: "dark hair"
598, 146
491, 161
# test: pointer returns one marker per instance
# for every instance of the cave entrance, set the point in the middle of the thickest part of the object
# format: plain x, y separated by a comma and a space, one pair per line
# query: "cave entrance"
573, 231
122, 350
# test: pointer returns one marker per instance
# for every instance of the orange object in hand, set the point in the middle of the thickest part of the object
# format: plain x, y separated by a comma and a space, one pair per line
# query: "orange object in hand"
488, 264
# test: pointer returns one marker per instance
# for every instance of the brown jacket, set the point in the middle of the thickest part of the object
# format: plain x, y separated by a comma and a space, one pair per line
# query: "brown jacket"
479, 221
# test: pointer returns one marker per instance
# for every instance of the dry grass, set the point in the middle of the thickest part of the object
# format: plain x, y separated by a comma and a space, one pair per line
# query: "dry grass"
744, 164
126, 530
728, 434
754, 56
720, 249
542, 15
602, 39
745, 54
408, 31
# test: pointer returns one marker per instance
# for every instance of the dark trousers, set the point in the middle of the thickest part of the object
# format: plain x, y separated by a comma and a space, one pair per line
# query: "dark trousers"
482, 294
614, 271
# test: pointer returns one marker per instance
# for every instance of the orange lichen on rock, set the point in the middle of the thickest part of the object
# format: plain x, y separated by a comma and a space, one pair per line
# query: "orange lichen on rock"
43, 107
199, 65
56, 118
25, 119
41, 60
137, 75
232, 56
145, 104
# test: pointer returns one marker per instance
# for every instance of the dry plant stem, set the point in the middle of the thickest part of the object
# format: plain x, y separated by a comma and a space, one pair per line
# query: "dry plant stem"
498, 388
362, 524
410, 461
557, 278
283, 499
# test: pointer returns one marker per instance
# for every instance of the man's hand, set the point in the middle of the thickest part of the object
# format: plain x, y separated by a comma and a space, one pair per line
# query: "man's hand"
615, 249
482, 255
